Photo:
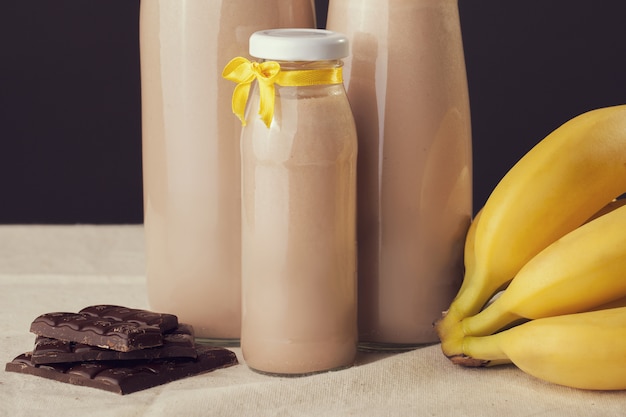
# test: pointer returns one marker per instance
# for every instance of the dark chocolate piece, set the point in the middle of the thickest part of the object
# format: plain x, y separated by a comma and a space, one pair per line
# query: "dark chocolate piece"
177, 344
163, 321
108, 327
128, 376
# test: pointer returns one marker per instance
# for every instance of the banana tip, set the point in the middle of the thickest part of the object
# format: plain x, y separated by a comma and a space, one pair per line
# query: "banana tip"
468, 361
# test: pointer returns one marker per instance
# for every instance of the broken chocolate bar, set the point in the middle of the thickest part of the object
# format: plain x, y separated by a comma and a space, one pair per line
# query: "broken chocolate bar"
128, 376
179, 343
108, 327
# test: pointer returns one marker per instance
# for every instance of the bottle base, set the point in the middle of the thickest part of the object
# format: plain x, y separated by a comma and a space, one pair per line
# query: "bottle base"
381, 347
298, 374
218, 342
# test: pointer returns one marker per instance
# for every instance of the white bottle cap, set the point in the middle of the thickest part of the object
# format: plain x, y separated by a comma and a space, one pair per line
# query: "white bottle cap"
298, 45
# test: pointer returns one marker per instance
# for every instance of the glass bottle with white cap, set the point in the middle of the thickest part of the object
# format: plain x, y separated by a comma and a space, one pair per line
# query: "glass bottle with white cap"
298, 151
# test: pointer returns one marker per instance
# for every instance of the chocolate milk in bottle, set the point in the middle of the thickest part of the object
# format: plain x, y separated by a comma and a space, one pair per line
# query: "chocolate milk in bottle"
191, 161
299, 208
407, 85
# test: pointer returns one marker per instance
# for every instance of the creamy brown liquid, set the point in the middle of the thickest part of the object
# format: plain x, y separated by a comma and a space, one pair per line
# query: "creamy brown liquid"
191, 158
299, 233
407, 85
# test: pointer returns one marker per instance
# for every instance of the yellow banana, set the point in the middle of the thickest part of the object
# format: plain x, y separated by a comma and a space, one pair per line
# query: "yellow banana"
583, 270
566, 178
583, 350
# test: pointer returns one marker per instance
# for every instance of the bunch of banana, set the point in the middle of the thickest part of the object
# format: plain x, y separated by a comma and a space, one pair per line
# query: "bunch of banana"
582, 270
551, 236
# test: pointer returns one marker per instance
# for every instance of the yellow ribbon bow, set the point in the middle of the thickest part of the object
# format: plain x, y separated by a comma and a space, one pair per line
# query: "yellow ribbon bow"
243, 72
268, 73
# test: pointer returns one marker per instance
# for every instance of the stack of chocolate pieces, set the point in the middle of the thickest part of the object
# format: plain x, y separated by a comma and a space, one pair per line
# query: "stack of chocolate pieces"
116, 349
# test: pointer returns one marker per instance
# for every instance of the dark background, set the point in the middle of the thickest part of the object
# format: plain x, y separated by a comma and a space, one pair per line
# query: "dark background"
70, 108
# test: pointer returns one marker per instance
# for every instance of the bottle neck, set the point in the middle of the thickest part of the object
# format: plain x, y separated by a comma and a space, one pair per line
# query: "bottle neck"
309, 65
269, 74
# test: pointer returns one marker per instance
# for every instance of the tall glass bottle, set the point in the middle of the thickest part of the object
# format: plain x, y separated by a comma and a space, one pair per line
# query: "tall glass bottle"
407, 84
191, 161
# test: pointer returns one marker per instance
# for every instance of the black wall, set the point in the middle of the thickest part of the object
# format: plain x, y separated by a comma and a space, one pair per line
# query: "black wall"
70, 129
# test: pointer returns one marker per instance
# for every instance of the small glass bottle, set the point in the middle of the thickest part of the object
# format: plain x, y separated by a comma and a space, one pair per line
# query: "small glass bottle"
298, 206
407, 84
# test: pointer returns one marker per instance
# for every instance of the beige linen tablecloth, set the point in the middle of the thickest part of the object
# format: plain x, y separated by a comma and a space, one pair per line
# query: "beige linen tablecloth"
65, 268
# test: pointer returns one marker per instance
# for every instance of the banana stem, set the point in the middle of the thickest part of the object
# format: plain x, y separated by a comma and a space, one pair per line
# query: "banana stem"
488, 321
474, 293
484, 349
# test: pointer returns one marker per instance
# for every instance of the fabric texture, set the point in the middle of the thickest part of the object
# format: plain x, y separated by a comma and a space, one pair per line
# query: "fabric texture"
65, 268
